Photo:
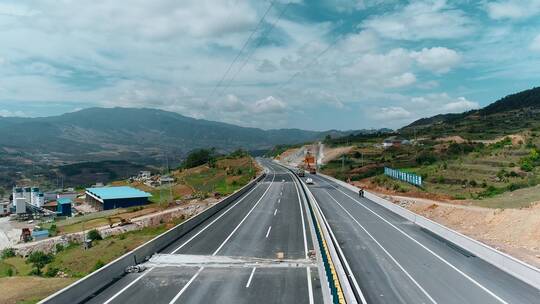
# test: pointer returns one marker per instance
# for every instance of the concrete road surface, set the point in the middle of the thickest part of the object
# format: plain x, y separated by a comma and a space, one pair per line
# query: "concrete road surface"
395, 261
269, 222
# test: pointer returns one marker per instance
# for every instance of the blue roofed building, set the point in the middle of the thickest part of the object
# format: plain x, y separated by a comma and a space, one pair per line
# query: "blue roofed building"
106, 198
63, 207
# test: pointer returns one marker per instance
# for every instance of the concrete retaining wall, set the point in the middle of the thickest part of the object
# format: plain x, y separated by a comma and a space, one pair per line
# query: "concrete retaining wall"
507, 263
93, 283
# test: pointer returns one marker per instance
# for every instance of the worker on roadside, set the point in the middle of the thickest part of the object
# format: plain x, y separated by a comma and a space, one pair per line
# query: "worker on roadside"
361, 192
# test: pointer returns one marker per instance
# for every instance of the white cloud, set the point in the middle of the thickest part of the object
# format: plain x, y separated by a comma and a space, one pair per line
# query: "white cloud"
512, 9
16, 10
427, 19
391, 113
433, 104
157, 20
361, 42
535, 44
267, 66
268, 105
6, 113
437, 59
381, 70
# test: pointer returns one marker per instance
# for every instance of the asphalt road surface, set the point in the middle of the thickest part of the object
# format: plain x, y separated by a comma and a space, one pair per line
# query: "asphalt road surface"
268, 222
395, 261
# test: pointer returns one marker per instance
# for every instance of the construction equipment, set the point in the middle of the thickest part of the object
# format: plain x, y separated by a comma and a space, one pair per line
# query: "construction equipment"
309, 161
123, 221
26, 235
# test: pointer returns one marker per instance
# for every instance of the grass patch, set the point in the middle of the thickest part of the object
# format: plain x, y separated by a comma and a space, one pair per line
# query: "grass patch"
77, 262
17, 264
30, 289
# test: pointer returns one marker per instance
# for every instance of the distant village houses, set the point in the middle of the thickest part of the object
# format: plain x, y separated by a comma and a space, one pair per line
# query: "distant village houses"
395, 141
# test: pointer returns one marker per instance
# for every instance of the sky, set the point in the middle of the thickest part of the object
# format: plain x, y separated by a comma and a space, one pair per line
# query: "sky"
318, 65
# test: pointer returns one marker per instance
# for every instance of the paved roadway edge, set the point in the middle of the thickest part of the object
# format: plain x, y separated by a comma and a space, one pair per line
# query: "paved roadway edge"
519, 269
98, 280
336, 276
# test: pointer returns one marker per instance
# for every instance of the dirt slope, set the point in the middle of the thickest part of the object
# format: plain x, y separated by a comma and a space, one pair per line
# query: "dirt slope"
514, 231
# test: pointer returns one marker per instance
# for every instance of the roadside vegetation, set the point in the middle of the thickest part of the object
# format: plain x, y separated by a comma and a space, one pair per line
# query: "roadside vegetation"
452, 168
47, 273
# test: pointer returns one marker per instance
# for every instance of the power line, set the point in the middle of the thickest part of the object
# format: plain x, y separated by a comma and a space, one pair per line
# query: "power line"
261, 40
246, 43
312, 62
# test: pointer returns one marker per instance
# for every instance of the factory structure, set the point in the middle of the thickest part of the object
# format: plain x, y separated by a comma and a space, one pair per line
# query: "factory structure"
106, 198
24, 197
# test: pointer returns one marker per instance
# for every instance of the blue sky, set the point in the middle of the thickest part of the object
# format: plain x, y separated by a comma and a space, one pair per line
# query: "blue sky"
327, 64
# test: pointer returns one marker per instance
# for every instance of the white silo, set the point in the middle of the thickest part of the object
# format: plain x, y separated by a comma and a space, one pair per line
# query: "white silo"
40, 200
34, 196
27, 195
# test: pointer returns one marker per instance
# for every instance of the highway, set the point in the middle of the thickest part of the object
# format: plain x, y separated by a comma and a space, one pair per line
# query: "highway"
395, 261
233, 257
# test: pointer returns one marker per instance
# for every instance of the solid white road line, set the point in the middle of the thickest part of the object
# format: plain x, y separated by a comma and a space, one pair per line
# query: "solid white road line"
250, 277
275, 211
245, 217
186, 286
268, 232
279, 201
127, 286
427, 249
385, 251
216, 219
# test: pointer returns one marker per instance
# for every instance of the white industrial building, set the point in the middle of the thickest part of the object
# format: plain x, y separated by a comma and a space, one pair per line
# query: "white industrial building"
4, 208
27, 196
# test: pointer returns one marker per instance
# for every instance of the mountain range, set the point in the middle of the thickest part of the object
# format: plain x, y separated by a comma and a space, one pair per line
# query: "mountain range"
511, 114
133, 133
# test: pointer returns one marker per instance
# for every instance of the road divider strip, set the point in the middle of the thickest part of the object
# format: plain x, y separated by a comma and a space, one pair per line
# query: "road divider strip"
336, 277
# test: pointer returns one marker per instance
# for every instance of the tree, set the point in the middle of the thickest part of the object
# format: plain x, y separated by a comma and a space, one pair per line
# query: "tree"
39, 259
199, 157
94, 235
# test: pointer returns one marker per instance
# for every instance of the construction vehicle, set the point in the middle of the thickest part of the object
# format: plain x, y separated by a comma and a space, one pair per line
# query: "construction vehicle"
26, 235
123, 221
309, 161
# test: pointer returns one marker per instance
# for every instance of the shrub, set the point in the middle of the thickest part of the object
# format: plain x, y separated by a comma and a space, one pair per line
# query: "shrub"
526, 165
52, 272
426, 159
9, 272
8, 253
94, 235
491, 191
99, 264
59, 247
